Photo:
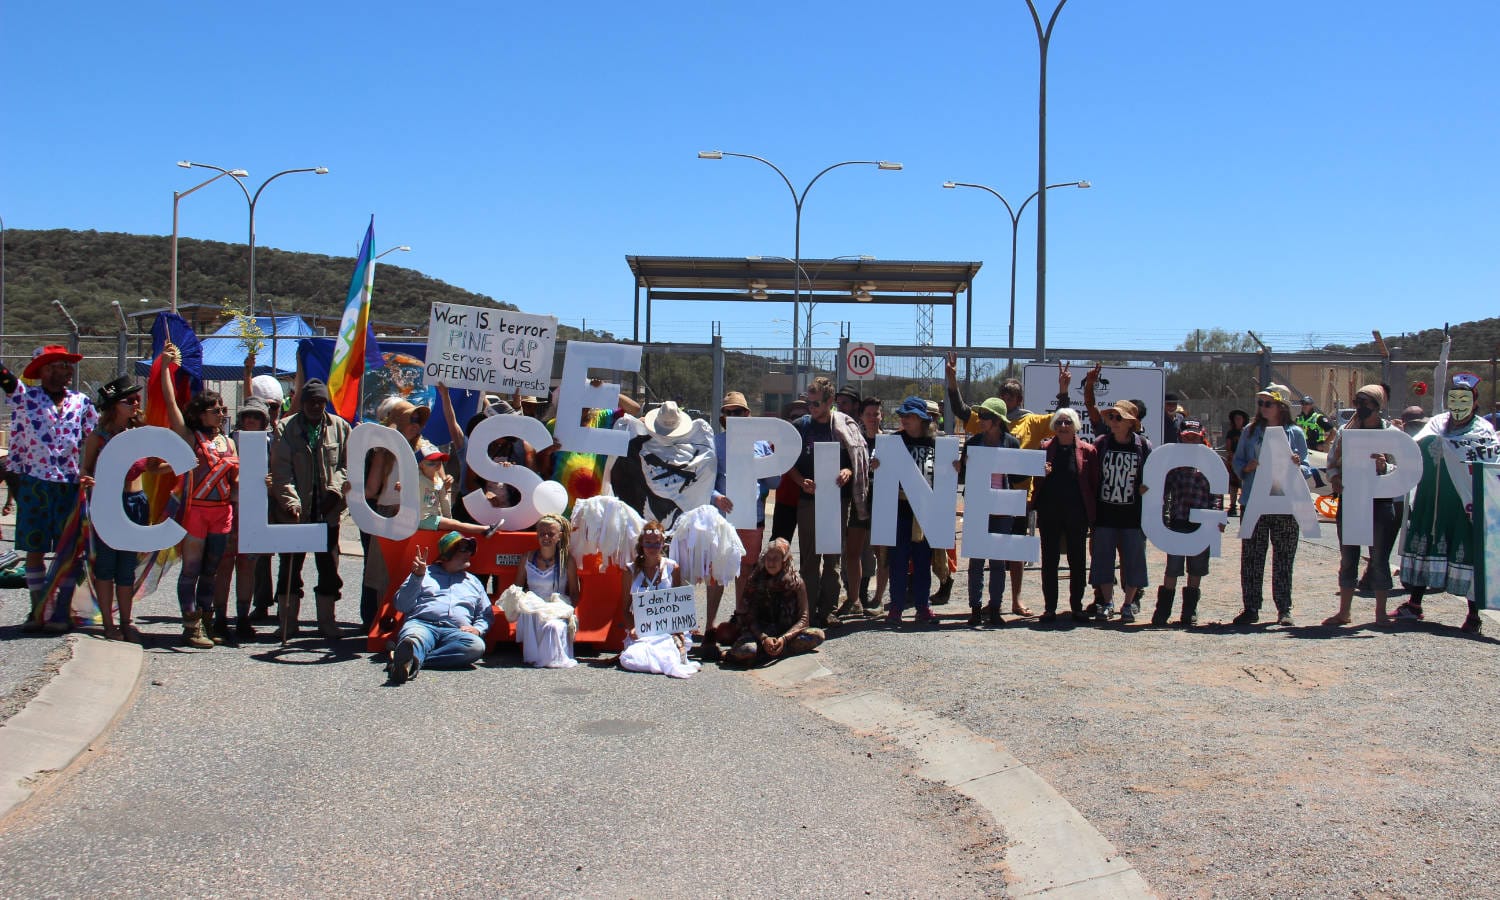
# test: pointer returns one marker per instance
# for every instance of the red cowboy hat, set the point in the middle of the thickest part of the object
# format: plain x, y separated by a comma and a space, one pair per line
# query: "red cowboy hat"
49, 354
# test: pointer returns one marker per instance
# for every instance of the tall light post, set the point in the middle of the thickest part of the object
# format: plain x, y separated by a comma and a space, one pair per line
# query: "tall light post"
797, 201
253, 199
1015, 229
404, 248
176, 199
1043, 39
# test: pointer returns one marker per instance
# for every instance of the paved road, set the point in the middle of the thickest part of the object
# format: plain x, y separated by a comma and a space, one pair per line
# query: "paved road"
258, 771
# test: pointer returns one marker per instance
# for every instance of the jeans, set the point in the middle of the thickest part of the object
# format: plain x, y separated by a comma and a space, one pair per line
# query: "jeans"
911, 567
441, 646
997, 569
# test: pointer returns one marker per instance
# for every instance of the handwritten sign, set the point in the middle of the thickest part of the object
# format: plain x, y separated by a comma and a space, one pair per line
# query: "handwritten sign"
664, 611
495, 350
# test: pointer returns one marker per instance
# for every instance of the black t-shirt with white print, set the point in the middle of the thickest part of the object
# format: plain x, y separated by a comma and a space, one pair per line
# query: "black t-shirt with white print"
1120, 469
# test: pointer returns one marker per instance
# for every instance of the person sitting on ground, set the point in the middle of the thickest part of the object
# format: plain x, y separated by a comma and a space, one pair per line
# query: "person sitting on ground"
549, 573
1186, 489
447, 612
652, 570
772, 611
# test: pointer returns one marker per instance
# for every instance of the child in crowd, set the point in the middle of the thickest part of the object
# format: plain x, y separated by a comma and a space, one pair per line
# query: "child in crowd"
437, 496
1186, 489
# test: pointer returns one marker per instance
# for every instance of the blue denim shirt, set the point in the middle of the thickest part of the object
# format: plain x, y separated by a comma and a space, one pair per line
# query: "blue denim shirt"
1249, 448
441, 598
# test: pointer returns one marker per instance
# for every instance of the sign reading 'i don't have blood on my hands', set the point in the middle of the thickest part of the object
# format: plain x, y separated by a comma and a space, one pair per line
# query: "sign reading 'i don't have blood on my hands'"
496, 350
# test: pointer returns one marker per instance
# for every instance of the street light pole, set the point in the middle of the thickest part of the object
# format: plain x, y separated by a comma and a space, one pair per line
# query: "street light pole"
1043, 38
253, 200
1015, 229
404, 248
797, 201
176, 199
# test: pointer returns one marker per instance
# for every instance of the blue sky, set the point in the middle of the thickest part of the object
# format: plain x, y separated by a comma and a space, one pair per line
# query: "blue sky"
1308, 173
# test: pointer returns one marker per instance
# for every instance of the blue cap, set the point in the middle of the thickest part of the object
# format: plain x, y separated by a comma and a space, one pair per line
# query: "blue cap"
914, 406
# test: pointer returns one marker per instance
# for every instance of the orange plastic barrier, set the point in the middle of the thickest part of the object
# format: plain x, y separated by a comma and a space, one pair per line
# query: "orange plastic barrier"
599, 606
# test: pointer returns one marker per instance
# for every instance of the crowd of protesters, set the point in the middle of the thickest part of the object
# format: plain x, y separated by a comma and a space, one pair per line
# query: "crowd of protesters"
1087, 506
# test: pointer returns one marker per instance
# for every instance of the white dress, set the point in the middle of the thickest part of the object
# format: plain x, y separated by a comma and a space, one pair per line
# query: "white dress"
664, 654
546, 638
545, 620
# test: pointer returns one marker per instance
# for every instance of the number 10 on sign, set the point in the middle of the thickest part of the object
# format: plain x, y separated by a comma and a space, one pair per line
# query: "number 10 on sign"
860, 360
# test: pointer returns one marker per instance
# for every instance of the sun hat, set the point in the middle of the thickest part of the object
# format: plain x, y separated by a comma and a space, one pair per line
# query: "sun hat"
45, 356
1273, 391
914, 406
668, 422
734, 400
1126, 409
995, 407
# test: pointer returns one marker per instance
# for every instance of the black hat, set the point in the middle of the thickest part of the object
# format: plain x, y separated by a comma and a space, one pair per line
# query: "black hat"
117, 390
847, 391
315, 389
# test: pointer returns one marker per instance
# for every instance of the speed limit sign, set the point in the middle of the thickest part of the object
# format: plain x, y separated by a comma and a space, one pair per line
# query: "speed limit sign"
860, 360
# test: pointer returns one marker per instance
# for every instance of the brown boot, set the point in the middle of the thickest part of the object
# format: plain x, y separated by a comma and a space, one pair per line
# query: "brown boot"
328, 625
192, 632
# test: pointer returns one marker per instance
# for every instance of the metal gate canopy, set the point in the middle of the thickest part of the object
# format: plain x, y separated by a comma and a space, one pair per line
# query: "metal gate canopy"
746, 279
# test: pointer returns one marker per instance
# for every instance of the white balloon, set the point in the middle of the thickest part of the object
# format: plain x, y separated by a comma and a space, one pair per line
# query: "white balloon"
550, 498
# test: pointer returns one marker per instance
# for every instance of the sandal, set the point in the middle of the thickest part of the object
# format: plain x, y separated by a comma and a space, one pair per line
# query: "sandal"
1017, 609
1335, 621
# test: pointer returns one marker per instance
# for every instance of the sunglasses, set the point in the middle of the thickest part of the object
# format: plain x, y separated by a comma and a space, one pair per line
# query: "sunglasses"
734, 412
133, 400
1266, 403
816, 403
1111, 417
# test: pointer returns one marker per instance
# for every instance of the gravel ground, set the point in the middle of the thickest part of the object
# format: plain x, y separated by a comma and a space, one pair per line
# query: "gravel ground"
1258, 762
27, 661
265, 772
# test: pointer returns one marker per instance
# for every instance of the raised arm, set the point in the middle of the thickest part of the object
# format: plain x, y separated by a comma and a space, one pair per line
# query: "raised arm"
169, 393
956, 403
1089, 380
454, 432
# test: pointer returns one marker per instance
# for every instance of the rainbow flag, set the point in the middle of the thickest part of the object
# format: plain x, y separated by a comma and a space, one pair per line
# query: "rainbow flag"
354, 339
